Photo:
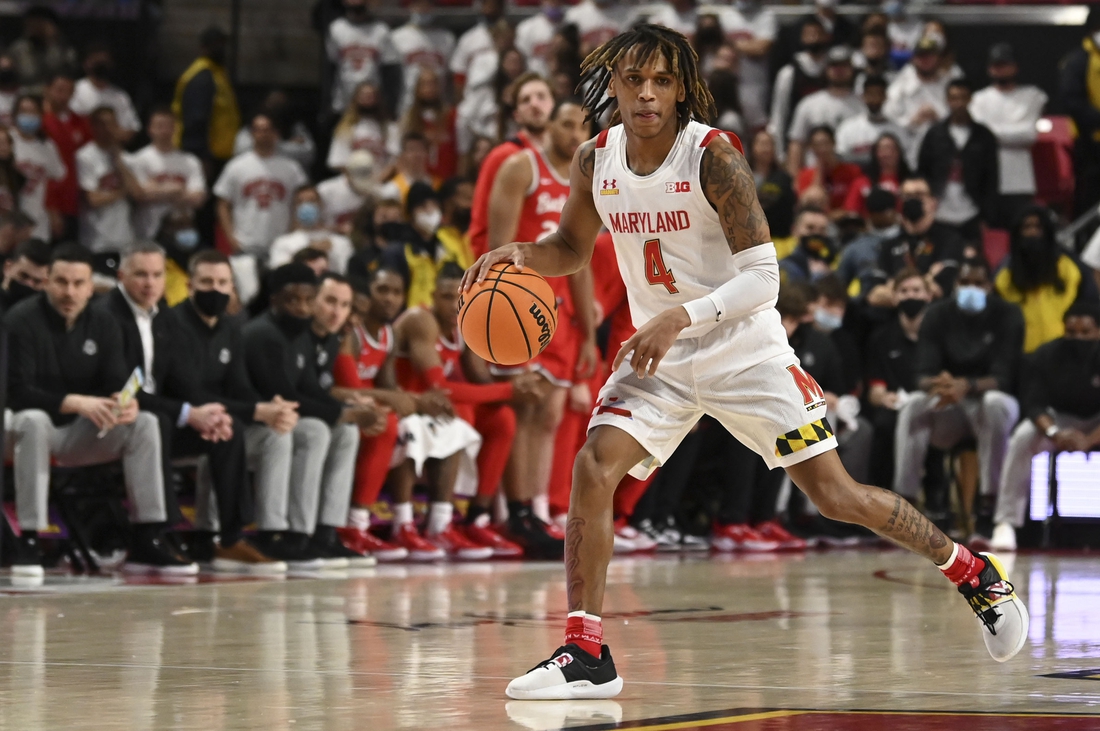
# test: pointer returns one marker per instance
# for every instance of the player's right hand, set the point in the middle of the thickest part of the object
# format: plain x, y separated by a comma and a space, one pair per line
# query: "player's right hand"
514, 252
650, 344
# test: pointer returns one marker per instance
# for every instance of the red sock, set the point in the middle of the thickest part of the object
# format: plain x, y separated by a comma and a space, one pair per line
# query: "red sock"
373, 463
963, 567
497, 425
585, 631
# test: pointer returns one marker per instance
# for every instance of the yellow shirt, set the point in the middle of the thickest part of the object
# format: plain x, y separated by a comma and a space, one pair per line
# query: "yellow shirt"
454, 246
225, 117
1044, 308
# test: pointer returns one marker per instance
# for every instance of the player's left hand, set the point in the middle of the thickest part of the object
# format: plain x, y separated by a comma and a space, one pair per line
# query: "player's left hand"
649, 345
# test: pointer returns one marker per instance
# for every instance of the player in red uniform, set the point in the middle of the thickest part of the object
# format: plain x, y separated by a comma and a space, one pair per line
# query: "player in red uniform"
534, 102
433, 356
528, 196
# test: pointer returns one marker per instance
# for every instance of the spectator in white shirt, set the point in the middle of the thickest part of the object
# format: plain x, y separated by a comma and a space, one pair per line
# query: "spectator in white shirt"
917, 98
420, 46
255, 192
598, 22
310, 232
474, 41
752, 28
856, 135
873, 58
107, 185
535, 35
903, 30
828, 107
1010, 110
96, 90
343, 195
362, 49
168, 178
38, 161
491, 76
364, 126
295, 139
804, 75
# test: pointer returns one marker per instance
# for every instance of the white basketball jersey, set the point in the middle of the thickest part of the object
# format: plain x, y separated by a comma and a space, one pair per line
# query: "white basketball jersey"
668, 238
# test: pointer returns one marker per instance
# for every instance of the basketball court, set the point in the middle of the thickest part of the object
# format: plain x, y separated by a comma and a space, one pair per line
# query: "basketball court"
860, 639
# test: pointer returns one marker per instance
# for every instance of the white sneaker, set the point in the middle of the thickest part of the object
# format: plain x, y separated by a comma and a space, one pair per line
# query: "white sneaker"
570, 673
1004, 616
638, 541
1004, 538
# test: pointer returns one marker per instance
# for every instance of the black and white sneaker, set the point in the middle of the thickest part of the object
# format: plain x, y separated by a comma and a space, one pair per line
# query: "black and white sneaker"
27, 561
336, 555
569, 674
155, 556
297, 554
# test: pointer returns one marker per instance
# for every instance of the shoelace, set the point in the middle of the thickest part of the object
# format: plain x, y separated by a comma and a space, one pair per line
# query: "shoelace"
979, 600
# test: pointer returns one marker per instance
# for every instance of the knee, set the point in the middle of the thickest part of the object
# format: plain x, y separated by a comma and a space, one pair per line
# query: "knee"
31, 422
345, 436
146, 423
594, 472
1026, 436
1000, 407
312, 433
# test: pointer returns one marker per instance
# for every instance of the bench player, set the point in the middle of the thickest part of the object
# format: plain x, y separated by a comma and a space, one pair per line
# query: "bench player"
702, 279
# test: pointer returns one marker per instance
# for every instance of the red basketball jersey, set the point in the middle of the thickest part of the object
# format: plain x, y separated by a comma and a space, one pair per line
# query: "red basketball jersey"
450, 355
373, 353
541, 216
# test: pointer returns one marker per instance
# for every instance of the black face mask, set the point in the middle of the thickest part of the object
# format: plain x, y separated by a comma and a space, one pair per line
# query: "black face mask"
1081, 350
18, 291
815, 49
460, 218
366, 110
101, 70
211, 303
8, 77
911, 307
1004, 81
291, 325
217, 56
818, 247
709, 36
1032, 246
392, 230
912, 209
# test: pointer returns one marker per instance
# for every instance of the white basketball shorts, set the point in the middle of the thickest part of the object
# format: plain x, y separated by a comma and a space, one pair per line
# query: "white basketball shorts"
744, 374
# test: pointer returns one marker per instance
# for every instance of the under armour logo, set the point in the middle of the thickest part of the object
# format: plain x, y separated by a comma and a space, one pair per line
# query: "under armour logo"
611, 185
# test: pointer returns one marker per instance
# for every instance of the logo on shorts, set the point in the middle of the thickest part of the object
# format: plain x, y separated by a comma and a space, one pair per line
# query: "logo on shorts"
90, 348
802, 437
812, 393
223, 356
563, 659
681, 186
543, 323
608, 407
609, 187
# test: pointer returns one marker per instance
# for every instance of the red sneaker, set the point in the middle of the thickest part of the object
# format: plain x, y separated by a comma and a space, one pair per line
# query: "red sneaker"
771, 530
741, 537
419, 549
481, 534
456, 545
362, 541
629, 539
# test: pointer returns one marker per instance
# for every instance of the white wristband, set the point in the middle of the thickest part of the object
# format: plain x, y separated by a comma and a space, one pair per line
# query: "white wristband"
701, 310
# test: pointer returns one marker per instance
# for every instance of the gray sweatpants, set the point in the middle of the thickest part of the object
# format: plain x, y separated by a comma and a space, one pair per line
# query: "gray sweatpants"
36, 439
988, 418
1026, 442
297, 475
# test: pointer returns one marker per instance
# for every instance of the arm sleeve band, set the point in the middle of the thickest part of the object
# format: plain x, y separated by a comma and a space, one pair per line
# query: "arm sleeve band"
754, 289
469, 393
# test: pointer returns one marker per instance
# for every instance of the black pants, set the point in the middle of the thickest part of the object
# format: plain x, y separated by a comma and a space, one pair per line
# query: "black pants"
749, 489
227, 472
664, 497
1086, 168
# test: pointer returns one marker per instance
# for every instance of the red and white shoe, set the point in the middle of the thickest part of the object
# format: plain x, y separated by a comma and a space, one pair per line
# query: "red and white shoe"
420, 549
771, 530
629, 539
458, 546
482, 534
362, 541
741, 537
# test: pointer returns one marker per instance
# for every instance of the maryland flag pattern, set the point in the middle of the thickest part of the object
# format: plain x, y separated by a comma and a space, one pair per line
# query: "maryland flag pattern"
802, 437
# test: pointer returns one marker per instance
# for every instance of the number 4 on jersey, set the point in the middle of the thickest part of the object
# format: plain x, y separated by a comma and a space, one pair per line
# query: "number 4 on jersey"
655, 270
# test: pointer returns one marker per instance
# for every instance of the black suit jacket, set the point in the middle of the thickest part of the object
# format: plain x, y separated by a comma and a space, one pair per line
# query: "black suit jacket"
980, 166
176, 382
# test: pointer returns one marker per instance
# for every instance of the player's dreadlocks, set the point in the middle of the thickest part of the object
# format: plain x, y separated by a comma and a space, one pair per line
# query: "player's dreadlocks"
647, 40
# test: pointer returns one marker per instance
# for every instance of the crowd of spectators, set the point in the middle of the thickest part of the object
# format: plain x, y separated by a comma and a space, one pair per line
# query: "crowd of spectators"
283, 285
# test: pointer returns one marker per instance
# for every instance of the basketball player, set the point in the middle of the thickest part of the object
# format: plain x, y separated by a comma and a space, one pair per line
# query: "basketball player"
702, 279
529, 193
432, 355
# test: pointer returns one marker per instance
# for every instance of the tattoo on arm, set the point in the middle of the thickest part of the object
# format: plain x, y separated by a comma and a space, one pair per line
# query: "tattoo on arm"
586, 156
909, 528
573, 578
729, 185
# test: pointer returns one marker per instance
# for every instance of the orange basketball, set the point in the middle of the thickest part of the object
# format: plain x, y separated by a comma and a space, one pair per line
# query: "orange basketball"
510, 317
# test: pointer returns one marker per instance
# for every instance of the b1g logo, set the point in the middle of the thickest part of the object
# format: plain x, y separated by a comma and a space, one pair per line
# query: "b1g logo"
682, 186
543, 323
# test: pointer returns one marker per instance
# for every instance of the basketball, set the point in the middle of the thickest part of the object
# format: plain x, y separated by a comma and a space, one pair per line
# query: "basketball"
510, 317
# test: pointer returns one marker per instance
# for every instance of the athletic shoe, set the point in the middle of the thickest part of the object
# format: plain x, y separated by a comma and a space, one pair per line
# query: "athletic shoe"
28, 558
336, 555
244, 558
1004, 538
666, 540
692, 542
480, 533
363, 541
1004, 616
407, 537
570, 673
154, 556
458, 546
741, 537
534, 536
771, 530
297, 554
637, 541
